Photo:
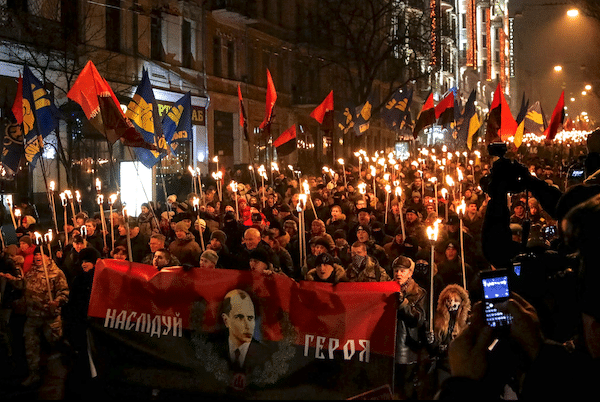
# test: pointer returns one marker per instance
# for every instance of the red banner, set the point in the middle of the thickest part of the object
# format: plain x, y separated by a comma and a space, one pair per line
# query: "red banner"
312, 337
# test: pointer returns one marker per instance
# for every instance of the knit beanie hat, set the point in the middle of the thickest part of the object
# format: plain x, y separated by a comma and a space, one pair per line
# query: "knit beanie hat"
181, 226
26, 240
220, 236
210, 255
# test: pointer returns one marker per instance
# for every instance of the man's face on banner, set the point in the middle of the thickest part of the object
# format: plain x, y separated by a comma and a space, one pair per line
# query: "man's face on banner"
240, 320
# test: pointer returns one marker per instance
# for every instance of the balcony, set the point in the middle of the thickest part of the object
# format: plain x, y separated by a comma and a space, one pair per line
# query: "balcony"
240, 11
40, 32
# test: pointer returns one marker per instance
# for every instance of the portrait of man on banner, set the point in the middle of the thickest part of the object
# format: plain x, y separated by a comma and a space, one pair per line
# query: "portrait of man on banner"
243, 351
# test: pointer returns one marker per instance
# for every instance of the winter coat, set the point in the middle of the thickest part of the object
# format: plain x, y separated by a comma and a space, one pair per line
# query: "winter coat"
36, 289
148, 224
186, 250
338, 275
411, 319
372, 272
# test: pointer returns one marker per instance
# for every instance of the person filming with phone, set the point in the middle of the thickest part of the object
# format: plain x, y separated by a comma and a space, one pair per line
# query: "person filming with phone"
526, 359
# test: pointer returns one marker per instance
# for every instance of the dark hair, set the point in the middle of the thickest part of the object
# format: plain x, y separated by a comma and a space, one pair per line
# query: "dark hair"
166, 252
226, 307
120, 249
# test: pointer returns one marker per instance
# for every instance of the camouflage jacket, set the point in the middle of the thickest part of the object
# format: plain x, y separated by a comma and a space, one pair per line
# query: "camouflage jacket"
36, 290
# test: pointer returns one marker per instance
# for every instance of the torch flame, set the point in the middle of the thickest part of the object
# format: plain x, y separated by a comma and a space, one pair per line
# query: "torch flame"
462, 208
449, 180
362, 187
432, 231
301, 202
306, 187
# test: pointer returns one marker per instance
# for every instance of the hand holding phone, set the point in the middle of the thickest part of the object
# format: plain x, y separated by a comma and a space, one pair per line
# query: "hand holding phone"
496, 289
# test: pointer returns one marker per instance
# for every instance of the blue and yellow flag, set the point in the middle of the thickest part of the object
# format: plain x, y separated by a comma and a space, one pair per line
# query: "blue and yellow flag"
177, 123
397, 109
362, 120
346, 119
40, 116
143, 113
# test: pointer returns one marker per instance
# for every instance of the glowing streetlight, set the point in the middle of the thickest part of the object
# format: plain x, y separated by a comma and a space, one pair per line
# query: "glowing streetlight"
573, 13
558, 68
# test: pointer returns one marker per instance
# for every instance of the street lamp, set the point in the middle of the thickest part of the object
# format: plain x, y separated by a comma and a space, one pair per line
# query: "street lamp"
558, 68
573, 13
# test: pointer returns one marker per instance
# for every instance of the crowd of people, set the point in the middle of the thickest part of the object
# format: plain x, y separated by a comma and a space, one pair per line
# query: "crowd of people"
526, 213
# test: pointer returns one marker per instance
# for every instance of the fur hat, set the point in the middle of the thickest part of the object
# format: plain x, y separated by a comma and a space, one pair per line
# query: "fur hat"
402, 262
211, 256
442, 315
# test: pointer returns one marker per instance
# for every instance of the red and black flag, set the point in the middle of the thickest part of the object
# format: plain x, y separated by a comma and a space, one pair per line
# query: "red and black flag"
325, 107
426, 116
444, 111
286, 142
500, 125
558, 116
243, 117
269, 102
102, 108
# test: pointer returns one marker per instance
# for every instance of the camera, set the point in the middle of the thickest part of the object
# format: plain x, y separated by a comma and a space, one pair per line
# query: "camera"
495, 285
550, 232
504, 171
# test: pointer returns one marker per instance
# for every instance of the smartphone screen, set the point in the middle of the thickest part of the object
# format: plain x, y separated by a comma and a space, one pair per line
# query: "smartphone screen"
495, 290
517, 268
